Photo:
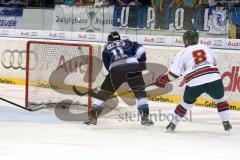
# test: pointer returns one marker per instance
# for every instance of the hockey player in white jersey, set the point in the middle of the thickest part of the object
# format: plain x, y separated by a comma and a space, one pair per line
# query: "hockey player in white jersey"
198, 64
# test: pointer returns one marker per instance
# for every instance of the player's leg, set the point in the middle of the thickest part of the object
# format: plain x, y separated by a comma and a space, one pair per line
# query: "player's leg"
112, 82
190, 96
216, 91
108, 88
136, 83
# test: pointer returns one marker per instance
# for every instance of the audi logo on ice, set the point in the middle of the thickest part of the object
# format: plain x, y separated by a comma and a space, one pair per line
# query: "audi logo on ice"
17, 59
218, 43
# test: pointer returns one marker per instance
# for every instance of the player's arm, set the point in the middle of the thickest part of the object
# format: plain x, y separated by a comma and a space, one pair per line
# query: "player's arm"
140, 53
174, 72
106, 58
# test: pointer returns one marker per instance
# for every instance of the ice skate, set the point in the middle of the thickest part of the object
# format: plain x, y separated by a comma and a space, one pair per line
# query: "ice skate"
93, 115
171, 126
227, 126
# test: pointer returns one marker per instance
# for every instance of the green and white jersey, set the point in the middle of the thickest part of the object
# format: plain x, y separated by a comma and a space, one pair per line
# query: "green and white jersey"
197, 64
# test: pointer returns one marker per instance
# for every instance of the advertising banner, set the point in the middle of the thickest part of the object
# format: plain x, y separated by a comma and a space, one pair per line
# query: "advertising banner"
82, 19
145, 24
10, 17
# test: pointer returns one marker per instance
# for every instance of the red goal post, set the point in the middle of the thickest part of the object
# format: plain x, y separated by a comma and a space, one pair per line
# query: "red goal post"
51, 57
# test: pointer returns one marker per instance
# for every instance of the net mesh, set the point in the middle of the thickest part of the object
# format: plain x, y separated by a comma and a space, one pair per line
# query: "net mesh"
53, 68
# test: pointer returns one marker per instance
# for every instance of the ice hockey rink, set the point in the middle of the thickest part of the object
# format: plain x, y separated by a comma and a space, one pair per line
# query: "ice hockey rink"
41, 135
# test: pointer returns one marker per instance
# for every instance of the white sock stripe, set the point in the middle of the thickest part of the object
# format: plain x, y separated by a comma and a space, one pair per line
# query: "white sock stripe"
98, 102
176, 119
142, 101
140, 51
186, 106
223, 99
224, 115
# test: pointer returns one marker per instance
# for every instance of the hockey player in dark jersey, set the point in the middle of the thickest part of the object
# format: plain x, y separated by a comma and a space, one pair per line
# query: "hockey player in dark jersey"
125, 61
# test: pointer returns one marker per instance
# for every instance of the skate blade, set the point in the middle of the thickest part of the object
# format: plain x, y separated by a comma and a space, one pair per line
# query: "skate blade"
88, 127
85, 126
169, 131
227, 133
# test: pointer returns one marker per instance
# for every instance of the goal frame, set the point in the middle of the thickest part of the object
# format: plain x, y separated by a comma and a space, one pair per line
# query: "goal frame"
90, 65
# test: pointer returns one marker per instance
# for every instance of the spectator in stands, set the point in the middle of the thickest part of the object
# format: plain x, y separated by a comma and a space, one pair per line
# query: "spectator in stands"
235, 21
166, 7
48, 3
158, 16
13, 3
58, 1
42, 3
102, 3
87, 2
199, 7
75, 2
34, 3
187, 21
78, 2
69, 2
145, 2
175, 5
125, 2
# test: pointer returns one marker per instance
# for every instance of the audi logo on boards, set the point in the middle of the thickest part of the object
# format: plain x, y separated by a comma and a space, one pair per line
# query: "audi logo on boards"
4, 32
17, 59
217, 43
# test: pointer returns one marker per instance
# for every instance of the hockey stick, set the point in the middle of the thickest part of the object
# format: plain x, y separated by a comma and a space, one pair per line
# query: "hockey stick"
95, 95
17, 105
90, 92
79, 93
127, 92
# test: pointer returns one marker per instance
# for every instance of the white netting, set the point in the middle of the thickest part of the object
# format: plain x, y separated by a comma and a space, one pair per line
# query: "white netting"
58, 67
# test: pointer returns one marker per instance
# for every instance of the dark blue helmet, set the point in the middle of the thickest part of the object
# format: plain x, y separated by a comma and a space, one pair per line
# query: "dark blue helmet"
113, 36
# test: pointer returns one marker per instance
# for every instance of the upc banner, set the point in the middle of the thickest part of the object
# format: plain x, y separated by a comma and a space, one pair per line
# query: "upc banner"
142, 17
10, 17
208, 20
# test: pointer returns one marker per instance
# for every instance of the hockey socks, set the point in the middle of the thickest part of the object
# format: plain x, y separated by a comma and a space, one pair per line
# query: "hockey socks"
179, 113
223, 108
143, 110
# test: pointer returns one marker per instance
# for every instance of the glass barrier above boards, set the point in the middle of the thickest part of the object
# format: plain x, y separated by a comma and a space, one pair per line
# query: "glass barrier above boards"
158, 22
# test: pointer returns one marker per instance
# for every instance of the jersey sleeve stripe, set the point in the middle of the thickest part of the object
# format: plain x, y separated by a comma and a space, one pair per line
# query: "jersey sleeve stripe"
140, 51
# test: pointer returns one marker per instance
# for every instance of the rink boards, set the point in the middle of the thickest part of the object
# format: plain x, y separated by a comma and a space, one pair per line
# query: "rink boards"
13, 71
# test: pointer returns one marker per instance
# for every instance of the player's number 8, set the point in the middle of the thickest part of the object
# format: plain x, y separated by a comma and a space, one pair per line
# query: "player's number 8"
199, 56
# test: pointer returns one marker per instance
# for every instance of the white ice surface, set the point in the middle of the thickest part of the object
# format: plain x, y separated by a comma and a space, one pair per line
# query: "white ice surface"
42, 136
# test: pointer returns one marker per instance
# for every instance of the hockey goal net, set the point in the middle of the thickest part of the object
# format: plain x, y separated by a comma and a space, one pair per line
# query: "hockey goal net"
52, 68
